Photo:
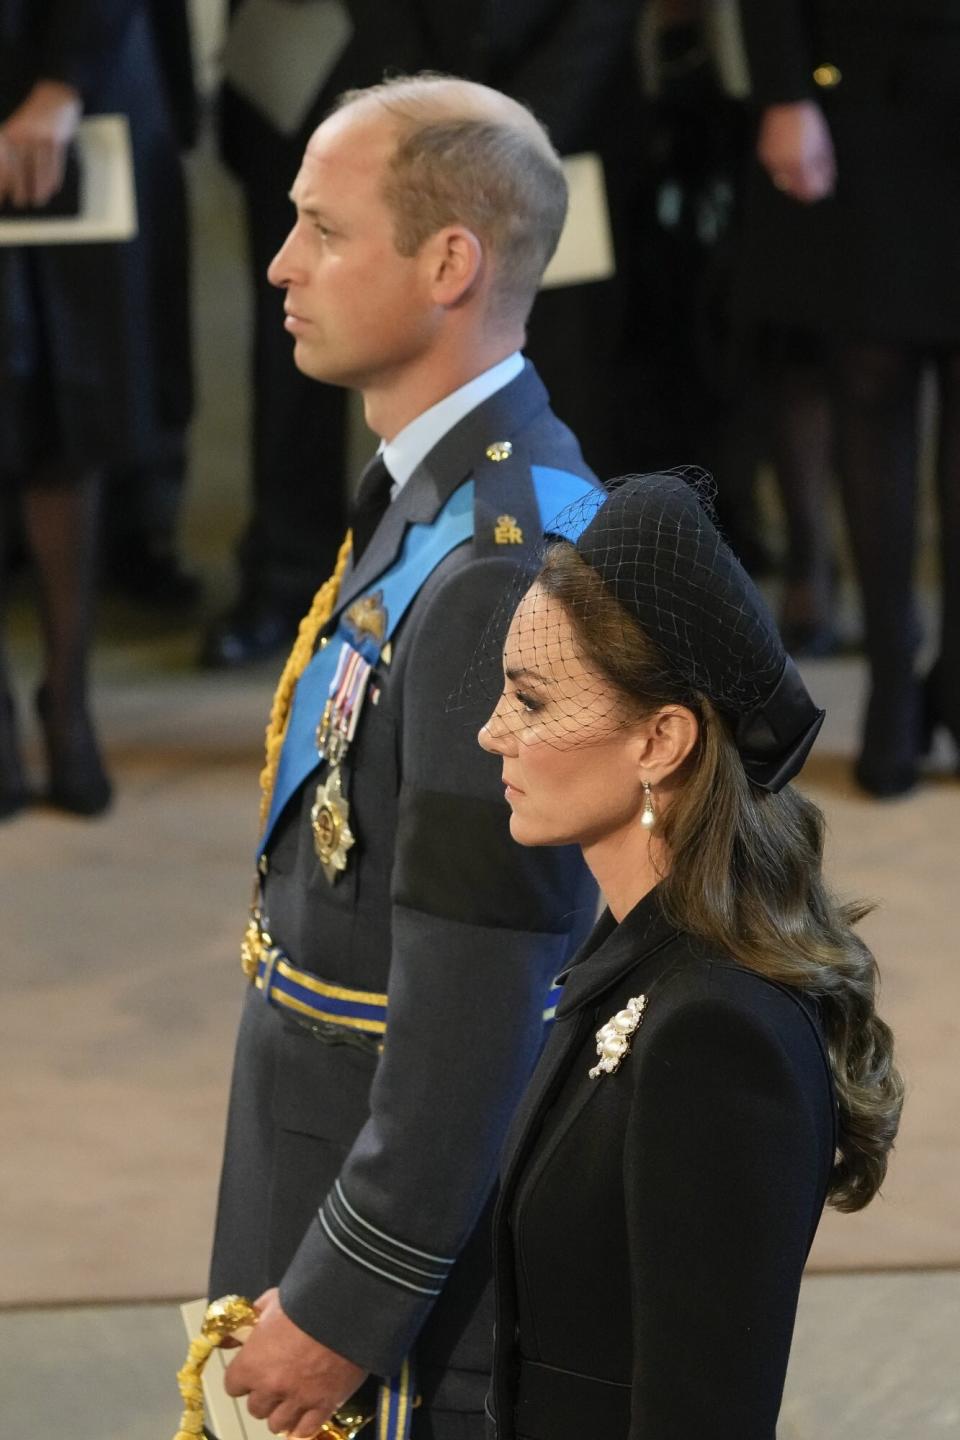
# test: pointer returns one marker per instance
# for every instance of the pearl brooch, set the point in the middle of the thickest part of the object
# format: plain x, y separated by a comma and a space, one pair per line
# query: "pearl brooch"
613, 1039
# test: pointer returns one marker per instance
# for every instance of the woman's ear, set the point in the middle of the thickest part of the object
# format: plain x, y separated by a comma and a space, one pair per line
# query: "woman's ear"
667, 738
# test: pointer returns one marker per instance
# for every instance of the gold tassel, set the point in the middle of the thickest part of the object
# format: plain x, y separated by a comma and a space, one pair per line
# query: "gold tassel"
226, 1317
299, 658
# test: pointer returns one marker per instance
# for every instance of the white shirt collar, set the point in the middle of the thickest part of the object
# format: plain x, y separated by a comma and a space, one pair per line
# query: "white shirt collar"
415, 441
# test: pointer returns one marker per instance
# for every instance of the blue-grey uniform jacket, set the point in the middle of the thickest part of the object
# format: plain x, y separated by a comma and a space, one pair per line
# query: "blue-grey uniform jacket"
360, 1182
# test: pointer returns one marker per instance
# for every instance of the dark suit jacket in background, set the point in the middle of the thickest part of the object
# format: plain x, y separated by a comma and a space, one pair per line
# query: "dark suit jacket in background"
461, 927
880, 259
654, 1223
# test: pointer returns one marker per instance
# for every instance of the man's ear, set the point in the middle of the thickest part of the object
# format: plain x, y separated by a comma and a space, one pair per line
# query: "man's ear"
456, 264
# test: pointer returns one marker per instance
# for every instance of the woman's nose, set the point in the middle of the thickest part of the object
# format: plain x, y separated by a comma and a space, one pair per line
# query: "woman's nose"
494, 735
487, 740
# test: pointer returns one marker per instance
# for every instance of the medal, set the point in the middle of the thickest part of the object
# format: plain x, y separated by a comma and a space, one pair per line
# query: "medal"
330, 818
330, 815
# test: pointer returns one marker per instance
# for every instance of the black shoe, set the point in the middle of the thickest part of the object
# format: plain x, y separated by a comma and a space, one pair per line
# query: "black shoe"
253, 630
13, 786
937, 710
888, 764
77, 780
152, 575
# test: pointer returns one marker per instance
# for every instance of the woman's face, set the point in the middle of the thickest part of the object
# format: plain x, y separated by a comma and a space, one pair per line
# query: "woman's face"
566, 738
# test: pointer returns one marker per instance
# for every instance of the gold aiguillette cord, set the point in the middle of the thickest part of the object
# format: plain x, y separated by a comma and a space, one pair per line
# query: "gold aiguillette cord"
234, 1318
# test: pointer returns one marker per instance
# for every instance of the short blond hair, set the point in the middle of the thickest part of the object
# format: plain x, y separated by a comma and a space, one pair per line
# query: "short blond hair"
467, 154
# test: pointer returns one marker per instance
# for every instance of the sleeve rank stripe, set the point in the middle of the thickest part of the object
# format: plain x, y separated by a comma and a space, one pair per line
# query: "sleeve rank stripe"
349, 1235
444, 1260
357, 1260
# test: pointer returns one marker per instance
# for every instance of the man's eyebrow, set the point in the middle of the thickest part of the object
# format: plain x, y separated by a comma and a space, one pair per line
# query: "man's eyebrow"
311, 211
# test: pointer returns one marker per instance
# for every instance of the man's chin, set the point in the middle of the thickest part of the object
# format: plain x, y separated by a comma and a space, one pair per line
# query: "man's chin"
315, 368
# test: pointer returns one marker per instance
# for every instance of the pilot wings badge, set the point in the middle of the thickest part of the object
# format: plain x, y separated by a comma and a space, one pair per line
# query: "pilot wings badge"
368, 616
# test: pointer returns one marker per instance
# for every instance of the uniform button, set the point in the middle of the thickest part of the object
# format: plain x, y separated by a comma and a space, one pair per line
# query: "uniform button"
263, 865
827, 77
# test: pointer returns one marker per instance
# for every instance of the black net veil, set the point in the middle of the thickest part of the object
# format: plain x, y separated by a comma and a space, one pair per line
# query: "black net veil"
652, 545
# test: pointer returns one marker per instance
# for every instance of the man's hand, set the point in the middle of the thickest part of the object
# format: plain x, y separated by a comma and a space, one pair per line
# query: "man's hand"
796, 150
294, 1382
33, 143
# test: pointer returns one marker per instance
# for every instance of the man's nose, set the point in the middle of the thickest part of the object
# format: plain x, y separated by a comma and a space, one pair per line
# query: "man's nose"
280, 271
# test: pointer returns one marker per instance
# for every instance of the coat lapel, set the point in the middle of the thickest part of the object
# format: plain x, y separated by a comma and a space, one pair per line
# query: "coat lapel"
609, 952
612, 951
443, 470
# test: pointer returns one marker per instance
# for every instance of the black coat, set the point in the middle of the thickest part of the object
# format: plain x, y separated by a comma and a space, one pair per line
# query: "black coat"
881, 258
654, 1222
439, 909
94, 339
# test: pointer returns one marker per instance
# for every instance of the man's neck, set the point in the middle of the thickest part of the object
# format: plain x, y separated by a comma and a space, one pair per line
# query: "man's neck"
389, 407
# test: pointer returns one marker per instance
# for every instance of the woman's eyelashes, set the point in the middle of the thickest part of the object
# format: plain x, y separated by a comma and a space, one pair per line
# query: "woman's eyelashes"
529, 702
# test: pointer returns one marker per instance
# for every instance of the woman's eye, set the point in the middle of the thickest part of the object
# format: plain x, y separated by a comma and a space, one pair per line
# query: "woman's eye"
528, 702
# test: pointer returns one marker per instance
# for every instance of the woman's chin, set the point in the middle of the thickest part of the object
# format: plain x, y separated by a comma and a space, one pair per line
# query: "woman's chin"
527, 832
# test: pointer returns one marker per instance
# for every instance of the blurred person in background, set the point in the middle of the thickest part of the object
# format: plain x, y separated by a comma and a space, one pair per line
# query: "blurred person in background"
684, 358
854, 239
144, 501
84, 331
572, 62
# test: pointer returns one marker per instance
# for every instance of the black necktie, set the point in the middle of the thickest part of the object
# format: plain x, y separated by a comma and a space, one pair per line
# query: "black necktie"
371, 504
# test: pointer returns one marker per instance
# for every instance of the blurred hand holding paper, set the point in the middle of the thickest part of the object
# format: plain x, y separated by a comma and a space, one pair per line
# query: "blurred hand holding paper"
107, 209
585, 251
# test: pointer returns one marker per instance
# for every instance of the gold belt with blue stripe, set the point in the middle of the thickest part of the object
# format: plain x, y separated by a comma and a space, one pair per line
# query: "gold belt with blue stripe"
358, 1014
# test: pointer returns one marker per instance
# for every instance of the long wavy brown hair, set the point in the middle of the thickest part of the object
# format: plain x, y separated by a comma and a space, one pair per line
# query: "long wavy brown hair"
745, 875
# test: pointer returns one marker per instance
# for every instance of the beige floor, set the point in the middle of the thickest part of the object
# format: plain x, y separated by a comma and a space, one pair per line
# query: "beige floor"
874, 1358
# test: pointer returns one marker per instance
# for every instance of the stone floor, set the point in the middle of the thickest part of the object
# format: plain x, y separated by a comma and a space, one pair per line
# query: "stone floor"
875, 1357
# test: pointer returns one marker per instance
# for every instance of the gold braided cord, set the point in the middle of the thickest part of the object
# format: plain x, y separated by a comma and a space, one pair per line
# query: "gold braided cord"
190, 1383
297, 661
233, 1315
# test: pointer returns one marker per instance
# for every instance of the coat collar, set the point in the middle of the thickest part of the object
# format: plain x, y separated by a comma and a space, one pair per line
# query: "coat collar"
612, 951
446, 467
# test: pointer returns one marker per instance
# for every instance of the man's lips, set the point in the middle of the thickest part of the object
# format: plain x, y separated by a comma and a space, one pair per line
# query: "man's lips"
294, 322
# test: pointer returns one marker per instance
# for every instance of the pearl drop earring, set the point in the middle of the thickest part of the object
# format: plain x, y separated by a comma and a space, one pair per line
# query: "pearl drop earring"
648, 815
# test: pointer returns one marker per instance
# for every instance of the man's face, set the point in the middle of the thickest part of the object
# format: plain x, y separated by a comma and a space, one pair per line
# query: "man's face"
359, 312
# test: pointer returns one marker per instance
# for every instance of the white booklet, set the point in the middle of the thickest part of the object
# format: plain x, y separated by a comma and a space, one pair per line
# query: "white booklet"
229, 1419
280, 54
585, 251
108, 203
